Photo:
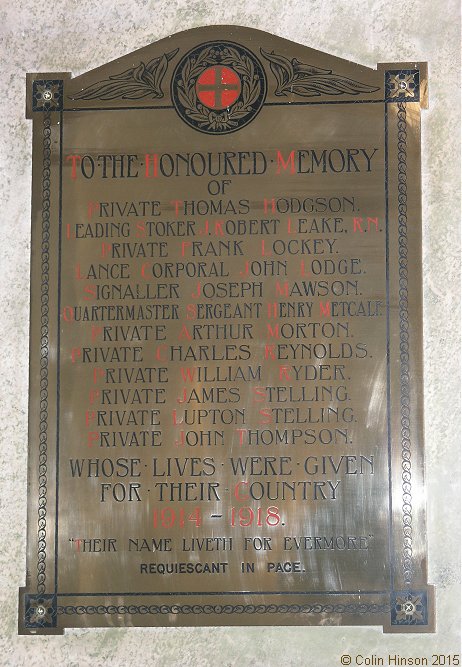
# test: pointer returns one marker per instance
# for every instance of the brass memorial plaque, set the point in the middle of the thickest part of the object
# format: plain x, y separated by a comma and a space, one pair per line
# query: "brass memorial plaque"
226, 340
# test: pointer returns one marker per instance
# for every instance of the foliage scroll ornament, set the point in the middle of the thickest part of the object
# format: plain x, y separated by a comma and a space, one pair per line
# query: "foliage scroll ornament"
132, 84
297, 78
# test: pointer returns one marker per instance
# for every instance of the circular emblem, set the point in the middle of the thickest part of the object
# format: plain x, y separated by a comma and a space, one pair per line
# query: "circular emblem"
218, 88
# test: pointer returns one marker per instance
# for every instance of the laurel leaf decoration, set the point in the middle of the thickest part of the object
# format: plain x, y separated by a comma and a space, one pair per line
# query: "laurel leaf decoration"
297, 78
224, 119
132, 84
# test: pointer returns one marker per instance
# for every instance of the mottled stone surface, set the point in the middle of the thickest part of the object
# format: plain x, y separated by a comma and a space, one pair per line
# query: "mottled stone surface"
70, 35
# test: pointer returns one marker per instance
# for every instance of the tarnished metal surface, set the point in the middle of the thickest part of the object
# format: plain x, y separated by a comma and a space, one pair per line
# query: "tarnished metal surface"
225, 409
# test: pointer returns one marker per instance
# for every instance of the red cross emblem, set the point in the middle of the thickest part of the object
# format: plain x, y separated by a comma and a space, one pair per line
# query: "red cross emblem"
218, 87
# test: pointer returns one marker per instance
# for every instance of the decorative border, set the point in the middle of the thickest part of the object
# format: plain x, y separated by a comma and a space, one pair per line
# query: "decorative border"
225, 609
402, 85
47, 95
405, 390
44, 357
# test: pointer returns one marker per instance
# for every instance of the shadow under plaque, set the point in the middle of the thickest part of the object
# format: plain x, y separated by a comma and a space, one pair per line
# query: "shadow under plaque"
226, 340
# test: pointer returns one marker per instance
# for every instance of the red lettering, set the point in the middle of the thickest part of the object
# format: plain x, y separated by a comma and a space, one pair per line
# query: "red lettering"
181, 441
92, 437
205, 231
68, 314
324, 309
188, 374
241, 432
357, 225
98, 373
270, 351
147, 162
259, 391
92, 206
263, 252
177, 203
182, 398
272, 309
286, 163
282, 290
74, 159
272, 333
184, 333
140, 230
91, 290
237, 489
95, 331
303, 273
267, 416
93, 396
373, 221
272, 203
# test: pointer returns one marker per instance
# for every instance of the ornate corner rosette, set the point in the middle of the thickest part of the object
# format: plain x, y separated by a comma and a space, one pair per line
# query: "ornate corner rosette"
409, 608
144, 80
47, 95
296, 78
40, 611
218, 88
402, 85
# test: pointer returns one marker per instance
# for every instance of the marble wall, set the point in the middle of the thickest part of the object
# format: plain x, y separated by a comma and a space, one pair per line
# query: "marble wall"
78, 35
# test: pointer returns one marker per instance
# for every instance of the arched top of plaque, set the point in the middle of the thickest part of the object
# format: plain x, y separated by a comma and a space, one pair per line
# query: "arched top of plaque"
218, 79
